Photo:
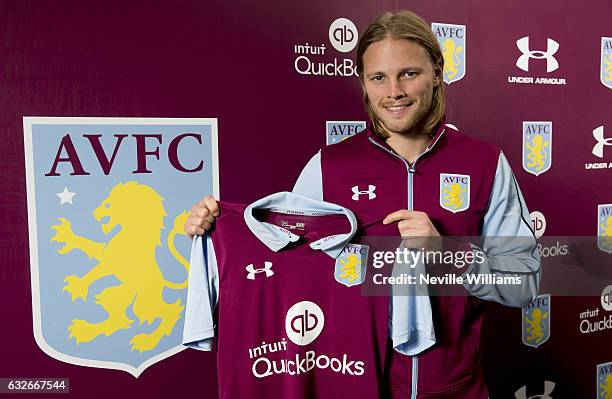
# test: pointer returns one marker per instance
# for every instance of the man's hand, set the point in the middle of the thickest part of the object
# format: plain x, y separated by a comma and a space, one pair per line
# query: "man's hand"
416, 228
202, 216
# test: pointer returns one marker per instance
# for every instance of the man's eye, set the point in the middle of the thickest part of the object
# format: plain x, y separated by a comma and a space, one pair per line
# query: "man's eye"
409, 73
377, 78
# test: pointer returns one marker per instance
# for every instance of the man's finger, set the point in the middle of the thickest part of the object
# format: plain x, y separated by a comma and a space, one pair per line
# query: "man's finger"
398, 215
212, 205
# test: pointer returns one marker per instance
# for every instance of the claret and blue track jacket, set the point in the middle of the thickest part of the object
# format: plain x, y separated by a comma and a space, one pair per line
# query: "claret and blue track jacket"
467, 188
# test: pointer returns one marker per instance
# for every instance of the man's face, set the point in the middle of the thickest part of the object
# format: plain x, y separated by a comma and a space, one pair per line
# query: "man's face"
398, 79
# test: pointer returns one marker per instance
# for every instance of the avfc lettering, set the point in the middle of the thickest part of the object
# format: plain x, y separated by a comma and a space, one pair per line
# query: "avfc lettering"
456, 179
538, 129
146, 145
450, 31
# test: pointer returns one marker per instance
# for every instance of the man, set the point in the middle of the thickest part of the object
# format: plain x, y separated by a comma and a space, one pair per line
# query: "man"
432, 181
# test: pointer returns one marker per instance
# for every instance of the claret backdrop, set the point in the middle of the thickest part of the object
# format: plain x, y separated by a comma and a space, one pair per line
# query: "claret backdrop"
235, 97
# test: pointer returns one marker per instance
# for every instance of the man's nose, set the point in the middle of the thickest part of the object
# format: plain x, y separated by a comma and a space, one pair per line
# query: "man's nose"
395, 90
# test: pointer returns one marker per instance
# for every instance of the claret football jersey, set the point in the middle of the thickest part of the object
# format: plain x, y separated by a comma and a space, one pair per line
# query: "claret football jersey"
275, 290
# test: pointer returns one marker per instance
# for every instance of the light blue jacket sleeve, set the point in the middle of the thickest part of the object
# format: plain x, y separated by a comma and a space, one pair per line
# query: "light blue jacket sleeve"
202, 295
509, 245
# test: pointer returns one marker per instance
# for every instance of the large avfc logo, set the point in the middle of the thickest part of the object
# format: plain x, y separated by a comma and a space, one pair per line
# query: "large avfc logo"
106, 200
454, 192
452, 42
604, 381
604, 227
537, 147
536, 321
351, 265
606, 62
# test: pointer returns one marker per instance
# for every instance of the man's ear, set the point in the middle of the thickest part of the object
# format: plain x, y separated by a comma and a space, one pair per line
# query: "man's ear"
437, 75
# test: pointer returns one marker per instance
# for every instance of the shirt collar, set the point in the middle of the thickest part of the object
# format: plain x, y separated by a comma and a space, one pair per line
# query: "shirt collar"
276, 238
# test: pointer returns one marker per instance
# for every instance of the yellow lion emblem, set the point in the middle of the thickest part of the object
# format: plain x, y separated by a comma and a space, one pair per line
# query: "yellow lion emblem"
454, 197
606, 387
535, 326
606, 234
608, 69
536, 155
129, 256
349, 268
451, 58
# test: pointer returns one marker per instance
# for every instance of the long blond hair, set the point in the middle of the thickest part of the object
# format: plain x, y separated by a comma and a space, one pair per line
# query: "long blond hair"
408, 26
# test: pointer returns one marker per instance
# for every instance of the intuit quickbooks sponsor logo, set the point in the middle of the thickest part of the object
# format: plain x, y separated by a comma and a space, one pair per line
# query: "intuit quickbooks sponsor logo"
315, 59
303, 324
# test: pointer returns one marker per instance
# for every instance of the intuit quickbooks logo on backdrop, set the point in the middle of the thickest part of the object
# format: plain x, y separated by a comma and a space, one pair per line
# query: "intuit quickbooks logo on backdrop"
315, 59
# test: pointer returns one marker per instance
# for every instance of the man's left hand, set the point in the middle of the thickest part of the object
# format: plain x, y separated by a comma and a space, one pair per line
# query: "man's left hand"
416, 228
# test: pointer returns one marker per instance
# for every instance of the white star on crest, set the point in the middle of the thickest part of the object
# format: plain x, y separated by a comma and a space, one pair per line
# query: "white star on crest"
65, 196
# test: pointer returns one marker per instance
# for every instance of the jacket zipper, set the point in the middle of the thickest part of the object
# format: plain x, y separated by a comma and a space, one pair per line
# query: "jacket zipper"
411, 169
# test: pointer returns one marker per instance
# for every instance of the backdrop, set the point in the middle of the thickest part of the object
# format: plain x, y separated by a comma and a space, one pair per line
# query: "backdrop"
277, 76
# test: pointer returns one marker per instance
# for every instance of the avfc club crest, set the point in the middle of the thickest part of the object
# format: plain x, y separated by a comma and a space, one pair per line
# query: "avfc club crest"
604, 227
536, 321
337, 131
606, 62
452, 42
537, 147
351, 265
454, 192
106, 200
604, 381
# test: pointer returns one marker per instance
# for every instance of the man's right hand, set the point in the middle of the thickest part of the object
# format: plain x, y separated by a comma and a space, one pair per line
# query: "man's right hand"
202, 216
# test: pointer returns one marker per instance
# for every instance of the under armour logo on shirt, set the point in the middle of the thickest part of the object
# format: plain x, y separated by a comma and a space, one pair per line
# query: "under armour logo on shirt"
266, 269
370, 192
551, 48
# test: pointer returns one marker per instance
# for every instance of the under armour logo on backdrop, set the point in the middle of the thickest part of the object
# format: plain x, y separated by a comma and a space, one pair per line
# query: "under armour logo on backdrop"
598, 133
370, 192
551, 49
267, 269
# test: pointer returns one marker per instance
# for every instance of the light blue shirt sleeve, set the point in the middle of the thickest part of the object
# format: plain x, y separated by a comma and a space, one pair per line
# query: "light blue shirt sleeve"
411, 325
509, 245
202, 295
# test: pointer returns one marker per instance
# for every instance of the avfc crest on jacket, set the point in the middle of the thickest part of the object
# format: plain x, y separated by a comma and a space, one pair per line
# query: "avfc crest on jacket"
536, 321
454, 192
604, 227
452, 42
606, 62
351, 265
537, 147
604, 381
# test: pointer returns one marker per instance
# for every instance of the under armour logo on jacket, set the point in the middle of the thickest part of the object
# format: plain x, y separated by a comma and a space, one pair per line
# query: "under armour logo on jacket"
601, 141
370, 192
266, 269
523, 60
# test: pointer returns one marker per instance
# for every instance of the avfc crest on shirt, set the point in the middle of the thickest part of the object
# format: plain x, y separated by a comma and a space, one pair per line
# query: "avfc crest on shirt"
452, 42
106, 201
537, 147
454, 192
604, 227
604, 381
351, 265
536, 321
606, 62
